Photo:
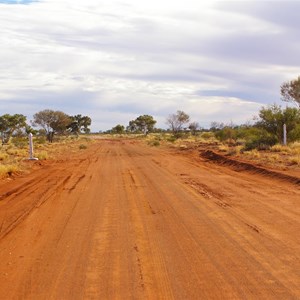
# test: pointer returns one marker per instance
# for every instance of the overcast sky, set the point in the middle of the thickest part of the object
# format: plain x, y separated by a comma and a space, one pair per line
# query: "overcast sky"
115, 60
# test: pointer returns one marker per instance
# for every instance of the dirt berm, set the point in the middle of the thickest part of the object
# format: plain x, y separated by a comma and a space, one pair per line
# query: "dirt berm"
247, 167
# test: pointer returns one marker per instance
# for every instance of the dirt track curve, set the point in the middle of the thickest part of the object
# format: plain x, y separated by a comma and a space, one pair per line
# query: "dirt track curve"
127, 221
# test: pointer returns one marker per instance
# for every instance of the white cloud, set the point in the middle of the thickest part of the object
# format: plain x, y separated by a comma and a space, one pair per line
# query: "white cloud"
209, 58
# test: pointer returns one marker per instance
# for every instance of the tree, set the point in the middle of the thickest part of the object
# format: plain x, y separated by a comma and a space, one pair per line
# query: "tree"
290, 91
79, 124
194, 126
118, 129
29, 129
176, 121
10, 124
53, 122
214, 126
273, 117
144, 124
132, 127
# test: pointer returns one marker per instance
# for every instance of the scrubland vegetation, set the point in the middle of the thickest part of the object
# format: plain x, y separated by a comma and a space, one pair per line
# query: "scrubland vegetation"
14, 155
262, 140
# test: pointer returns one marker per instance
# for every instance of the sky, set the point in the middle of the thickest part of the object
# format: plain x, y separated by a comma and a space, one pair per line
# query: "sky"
119, 59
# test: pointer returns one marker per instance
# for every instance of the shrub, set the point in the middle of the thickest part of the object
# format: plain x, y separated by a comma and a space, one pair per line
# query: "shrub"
226, 134
294, 135
280, 148
172, 138
295, 145
207, 135
260, 142
43, 155
154, 143
3, 156
12, 151
223, 148
8, 170
274, 157
40, 139
20, 142
295, 148
234, 150
17, 152
295, 160
82, 146
253, 153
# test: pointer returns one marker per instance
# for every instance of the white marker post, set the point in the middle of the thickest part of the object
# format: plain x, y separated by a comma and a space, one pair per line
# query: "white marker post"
284, 135
31, 148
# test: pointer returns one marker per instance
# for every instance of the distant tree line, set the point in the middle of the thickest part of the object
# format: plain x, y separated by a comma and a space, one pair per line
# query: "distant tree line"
265, 131
49, 121
145, 124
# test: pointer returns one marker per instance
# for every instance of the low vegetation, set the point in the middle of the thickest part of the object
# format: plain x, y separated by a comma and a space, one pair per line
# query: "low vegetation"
262, 140
14, 155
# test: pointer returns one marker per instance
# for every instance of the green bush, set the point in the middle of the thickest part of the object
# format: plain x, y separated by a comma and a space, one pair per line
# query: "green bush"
20, 142
263, 141
294, 135
172, 138
226, 134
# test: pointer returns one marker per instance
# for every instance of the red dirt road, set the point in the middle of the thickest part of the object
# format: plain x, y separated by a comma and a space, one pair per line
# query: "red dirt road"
126, 221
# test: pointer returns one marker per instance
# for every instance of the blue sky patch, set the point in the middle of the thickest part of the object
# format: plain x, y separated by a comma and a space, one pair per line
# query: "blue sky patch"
17, 1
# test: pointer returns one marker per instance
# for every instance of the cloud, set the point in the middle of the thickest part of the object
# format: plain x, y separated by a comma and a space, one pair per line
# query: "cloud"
17, 1
281, 15
217, 60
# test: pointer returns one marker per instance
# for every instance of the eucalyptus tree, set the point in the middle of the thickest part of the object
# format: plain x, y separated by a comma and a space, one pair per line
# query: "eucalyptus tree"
53, 122
9, 124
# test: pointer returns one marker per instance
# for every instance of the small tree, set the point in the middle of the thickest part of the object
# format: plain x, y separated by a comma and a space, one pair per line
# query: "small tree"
194, 126
177, 121
273, 117
144, 124
214, 126
118, 129
290, 91
53, 122
79, 124
10, 124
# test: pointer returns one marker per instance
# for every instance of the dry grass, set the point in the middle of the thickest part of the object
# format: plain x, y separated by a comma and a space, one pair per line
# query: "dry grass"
230, 150
253, 153
8, 170
13, 156
3, 156
63, 145
295, 160
278, 156
235, 150
280, 148
273, 157
295, 145
224, 148
295, 148
42, 155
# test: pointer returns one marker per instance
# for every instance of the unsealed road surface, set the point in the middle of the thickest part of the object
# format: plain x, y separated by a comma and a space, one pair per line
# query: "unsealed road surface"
127, 221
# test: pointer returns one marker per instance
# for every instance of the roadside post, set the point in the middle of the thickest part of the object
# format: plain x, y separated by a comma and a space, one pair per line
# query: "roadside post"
31, 148
284, 135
